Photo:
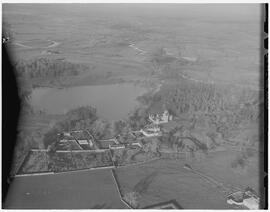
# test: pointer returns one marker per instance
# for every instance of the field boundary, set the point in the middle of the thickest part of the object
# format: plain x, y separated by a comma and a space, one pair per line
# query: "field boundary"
225, 189
83, 170
63, 172
117, 184
139, 163
164, 155
22, 163
34, 174
67, 151
16, 170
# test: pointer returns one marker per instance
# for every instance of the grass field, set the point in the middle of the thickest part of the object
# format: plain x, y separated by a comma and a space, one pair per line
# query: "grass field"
78, 190
219, 166
164, 180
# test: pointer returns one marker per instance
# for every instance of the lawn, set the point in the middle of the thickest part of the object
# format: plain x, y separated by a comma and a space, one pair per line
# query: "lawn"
77, 190
219, 166
164, 180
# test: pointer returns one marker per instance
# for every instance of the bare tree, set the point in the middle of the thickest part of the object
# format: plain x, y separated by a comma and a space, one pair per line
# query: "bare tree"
132, 199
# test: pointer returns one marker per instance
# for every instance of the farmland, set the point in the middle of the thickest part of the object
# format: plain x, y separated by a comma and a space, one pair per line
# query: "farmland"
65, 191
163, 180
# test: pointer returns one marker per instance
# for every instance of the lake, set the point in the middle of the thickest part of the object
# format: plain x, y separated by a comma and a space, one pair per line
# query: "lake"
113, 102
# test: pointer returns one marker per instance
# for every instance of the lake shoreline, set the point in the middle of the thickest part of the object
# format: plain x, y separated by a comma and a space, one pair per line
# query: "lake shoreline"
70, 82
112, 101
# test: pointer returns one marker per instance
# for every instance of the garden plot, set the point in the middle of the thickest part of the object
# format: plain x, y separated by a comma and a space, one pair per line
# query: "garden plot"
34, 162
61, 161
85, 160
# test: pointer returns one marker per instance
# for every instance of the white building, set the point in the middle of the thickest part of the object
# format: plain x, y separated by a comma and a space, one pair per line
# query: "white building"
136, 144
85, 142
116, 146
251, 203
247, 199
147, 133
66, 134
165, 117
152, 128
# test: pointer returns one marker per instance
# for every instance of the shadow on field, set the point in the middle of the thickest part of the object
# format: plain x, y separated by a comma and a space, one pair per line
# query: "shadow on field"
99, 206
143, 184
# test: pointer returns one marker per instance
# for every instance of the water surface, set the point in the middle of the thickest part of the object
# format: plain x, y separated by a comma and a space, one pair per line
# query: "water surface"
113, 102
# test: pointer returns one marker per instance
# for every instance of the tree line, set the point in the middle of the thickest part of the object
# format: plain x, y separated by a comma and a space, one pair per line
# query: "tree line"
225, 108
45, 67
86, 118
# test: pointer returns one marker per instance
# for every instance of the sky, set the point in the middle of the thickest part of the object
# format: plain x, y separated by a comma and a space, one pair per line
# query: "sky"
226, 12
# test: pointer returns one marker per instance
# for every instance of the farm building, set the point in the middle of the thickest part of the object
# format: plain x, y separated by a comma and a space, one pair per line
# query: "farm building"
248, 199
152, 128
81, 137
148, 133
105, 144
117, 146
68, 144
139, 144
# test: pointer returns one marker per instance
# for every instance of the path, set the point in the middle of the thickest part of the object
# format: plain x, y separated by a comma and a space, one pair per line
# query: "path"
137, 49
225, 189
21, 45
54, 44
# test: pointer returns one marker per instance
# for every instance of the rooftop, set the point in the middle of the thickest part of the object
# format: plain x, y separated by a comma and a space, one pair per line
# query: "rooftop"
104, 144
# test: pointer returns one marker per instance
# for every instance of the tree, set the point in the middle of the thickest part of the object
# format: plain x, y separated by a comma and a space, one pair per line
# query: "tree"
132, 199
80, 118
100, 129
50, 137
138, 119
152, 147
47, 68
119, 127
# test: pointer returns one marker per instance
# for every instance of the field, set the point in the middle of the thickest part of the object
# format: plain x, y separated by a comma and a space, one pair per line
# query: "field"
165, 180
31, 130
219, 165
78, 190
122, 47
35, 162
